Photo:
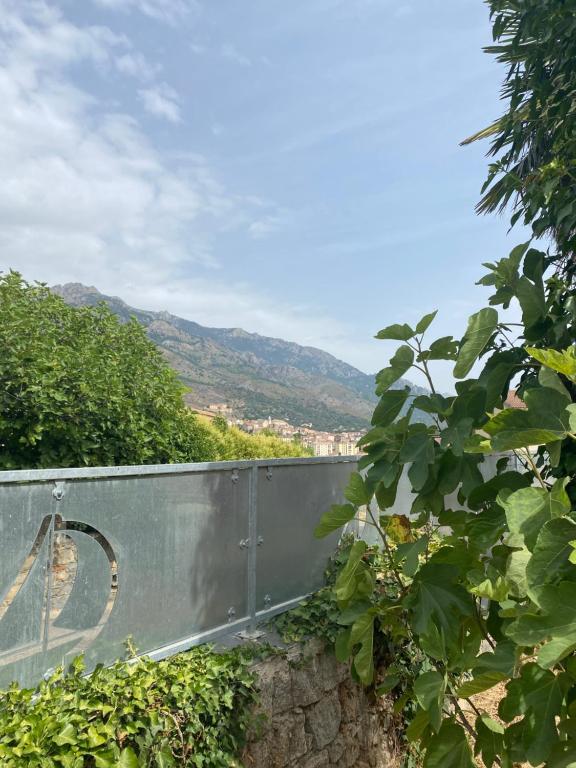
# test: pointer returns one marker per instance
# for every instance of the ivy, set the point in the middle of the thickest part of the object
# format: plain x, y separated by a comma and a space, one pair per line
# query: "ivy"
192, 709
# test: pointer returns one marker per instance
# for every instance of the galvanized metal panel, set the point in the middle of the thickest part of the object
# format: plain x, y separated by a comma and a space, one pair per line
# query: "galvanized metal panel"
167, 555
290, 561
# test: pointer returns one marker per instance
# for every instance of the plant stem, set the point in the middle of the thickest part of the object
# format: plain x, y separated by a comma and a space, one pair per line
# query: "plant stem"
384, 538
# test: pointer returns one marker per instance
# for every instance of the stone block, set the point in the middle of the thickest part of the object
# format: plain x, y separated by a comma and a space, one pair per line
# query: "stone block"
320, 760
306, 682
323, 719
336, 749
350, 700
328, 671
287, 740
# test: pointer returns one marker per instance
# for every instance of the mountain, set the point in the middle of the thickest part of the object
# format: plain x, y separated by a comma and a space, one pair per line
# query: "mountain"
258, 375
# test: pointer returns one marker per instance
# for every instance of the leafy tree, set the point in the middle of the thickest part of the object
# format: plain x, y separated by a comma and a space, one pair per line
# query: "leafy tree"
78, 387
485, 563
534, 142
231, 443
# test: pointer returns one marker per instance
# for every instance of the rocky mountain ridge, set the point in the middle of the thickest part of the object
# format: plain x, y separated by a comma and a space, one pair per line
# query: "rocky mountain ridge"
258, 376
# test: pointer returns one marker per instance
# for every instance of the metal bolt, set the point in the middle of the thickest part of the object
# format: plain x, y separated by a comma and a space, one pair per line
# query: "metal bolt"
235, 476
260, 541
231, 613
58, 492
269, 473
244, 543
267, 600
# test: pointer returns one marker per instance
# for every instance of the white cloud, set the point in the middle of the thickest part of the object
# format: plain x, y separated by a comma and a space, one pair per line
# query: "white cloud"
162, 101
86, 197
230, 52
84, 194
169, 11
136, 65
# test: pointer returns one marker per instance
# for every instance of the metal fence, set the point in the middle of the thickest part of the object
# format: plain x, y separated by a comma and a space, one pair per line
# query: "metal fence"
171, 555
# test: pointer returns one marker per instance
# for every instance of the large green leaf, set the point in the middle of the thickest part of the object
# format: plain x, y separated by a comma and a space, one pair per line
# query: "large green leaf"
362, 633
532, 300
423, 325
563, 362
357, 491
449, 748
399, 364
437, 603
528, 509
481, 327
429, 690
445, 348
336, 517
396, 332
390, 406
537, 694
347, 578
545, 421
550, 561
480, 683
556, 624
489, 739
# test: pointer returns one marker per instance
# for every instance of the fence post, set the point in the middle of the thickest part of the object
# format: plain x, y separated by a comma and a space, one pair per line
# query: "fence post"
252, 633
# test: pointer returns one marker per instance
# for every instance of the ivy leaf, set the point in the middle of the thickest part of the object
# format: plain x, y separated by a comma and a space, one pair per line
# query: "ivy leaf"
429, 690
550, 561
336, 517
426, 321
481, 327
557, 624
396, 332
449, 748
390, 406
399, 364
490, 739
537, 694
128, 759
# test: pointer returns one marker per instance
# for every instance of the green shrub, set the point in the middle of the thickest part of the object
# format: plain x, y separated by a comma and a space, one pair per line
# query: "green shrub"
231, 443
192, 709
80, 388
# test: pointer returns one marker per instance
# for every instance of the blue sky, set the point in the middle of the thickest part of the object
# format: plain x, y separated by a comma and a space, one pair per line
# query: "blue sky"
292, 168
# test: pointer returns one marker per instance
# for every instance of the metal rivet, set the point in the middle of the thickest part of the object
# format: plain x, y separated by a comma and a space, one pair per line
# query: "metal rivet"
244, 543
231, 613
235, 476
58, 492
269, 473
260, 541
267, 600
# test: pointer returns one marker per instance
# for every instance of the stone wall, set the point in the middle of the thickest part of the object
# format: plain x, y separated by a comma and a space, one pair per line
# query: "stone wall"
315, 716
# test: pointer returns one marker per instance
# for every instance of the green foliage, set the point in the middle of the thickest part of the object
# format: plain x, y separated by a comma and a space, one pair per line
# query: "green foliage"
231, 443
80, 388
495, 602
192, 709
534, 142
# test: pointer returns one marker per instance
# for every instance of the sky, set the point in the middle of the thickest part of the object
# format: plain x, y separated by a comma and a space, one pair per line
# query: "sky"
290, 168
